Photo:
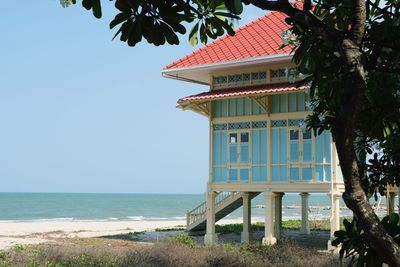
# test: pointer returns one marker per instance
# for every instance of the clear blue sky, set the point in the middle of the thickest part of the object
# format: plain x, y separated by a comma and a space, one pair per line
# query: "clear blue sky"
82, 113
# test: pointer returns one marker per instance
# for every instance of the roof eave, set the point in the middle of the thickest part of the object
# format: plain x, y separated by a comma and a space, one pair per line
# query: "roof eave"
178, 73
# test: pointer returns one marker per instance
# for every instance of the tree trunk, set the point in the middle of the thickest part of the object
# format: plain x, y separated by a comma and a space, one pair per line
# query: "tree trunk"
343, 136
347, 115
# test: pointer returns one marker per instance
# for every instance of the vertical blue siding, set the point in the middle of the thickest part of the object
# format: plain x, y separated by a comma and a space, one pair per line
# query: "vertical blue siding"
224, 143
247, 106
282, 104
239, 107
233, 175
327, 172
306, 173
233, 153
255, 147
263, 146
319, 173
224, 108
256, 108
275, 103
282, 146
292, 102
319, 149
244, 174
275, 146
232, 107
216, 148
307, 151
244, 153
294, 174
327, 146
300, 102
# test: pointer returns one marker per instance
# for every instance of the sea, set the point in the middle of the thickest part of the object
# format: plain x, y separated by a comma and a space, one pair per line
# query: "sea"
22, 207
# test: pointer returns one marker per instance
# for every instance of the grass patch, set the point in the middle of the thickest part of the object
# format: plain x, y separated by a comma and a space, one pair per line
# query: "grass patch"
131, 236
177, 251
170, 229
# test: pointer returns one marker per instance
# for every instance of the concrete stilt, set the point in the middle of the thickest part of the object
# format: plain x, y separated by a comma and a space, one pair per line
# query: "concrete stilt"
278, 214
390, 203
210, 237
269, 238
335, 219
246, 233
305, 226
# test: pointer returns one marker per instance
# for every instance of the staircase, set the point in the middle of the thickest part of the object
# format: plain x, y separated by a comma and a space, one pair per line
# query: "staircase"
225, 203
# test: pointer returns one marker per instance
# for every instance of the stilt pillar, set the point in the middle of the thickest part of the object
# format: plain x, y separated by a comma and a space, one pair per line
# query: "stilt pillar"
246, 234
398, 203
269, 238
278, 214
210, 237
334, 219
305, 225
390, 203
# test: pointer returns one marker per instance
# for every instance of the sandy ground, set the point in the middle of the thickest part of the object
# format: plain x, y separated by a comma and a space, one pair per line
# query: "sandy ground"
13, 233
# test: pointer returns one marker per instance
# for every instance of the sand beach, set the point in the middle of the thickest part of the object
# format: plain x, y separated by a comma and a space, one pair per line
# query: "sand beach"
35, 232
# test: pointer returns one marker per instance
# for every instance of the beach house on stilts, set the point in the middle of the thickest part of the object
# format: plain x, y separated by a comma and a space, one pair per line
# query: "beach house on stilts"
258, 140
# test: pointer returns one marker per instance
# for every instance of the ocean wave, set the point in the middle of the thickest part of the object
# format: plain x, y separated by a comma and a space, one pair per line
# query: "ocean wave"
150, 218
62, 219
135, 218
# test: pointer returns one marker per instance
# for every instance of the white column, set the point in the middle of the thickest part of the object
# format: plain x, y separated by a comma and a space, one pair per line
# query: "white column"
305, 226
269, 238
335, 218
210, 237
390, 203
246, 234
278, 214
398, 203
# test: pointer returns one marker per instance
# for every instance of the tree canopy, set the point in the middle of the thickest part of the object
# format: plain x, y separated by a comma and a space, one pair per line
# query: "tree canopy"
349, 54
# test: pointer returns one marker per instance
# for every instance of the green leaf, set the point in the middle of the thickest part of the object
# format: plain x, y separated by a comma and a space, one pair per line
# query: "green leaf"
228, 15
193, 40
123, 5
203, 35
87, 4
94, 5
235, 6
96, 8
119, 18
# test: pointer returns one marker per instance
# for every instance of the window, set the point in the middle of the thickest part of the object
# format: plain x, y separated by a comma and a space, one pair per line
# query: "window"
233, 138
244, 137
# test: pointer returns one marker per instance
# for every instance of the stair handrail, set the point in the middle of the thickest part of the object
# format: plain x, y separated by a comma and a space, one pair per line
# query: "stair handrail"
199, 212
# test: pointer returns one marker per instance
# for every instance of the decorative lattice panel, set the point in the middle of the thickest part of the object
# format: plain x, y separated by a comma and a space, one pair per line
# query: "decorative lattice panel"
278, 123
259, 124
238, 77
239, 125
220, 127
262, 75
296, 123
278, 73
254, 75
220, 80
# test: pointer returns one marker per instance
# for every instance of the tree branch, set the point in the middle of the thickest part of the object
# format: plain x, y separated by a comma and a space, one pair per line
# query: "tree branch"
358, 18
307, 5
304, 18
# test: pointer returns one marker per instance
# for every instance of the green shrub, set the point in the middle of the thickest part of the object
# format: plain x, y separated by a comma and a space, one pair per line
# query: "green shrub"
19, 247
355, 244
185, 240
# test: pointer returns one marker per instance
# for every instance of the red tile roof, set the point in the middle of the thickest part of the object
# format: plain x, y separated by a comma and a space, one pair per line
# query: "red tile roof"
242, 91
261, 37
